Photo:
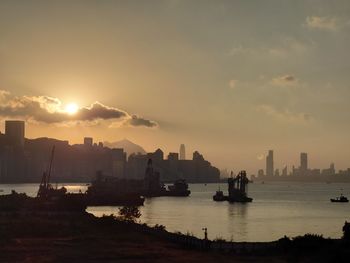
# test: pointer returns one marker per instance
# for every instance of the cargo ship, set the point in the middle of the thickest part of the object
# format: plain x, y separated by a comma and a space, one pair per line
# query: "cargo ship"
153, 187
112, 191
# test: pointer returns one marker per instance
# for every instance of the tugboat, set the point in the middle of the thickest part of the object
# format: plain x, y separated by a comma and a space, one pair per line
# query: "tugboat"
340, 199
179, 188
237, 189
219, 196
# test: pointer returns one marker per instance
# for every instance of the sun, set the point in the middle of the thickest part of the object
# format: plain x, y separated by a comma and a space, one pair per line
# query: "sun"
71, 108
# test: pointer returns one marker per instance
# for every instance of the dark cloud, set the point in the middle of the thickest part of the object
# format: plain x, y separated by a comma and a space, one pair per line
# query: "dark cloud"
138, 121
99, 111
289, 78
49, 110
284, 80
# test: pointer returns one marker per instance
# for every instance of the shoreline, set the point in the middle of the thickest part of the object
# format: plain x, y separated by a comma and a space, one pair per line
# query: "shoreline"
69, 236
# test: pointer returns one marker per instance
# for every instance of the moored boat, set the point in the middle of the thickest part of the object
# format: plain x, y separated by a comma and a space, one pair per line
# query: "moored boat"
340, 199
219, 196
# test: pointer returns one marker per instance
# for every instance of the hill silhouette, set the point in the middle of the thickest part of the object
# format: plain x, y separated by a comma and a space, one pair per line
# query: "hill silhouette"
128, 146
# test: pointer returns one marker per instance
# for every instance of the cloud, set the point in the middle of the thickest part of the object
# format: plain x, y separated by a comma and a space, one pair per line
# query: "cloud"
44, 109
284, 114
285, 47
138, 121
322, 23
285, 80
289, 46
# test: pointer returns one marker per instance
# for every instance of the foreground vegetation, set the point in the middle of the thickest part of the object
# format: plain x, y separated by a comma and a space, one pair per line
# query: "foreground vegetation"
85, 238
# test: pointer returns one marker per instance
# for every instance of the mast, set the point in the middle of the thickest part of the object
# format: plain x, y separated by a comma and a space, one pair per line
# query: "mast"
50, 166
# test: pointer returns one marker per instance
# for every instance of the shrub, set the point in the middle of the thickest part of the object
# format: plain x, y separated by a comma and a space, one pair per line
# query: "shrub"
129, 213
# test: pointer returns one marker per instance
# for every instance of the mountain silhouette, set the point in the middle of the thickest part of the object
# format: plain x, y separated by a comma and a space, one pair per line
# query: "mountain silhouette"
128, 146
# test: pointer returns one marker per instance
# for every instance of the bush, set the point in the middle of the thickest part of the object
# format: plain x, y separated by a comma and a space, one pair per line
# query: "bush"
346, 231
129, 213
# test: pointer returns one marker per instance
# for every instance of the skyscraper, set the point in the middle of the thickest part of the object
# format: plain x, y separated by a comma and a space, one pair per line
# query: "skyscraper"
14, 131
88, 141
284, 171
269, 164
303, 163
182, 152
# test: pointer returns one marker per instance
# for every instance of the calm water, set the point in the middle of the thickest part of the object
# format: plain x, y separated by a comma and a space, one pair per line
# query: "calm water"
278, 209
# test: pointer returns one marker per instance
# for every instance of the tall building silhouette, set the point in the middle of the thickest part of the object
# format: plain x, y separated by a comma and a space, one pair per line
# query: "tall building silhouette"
14, 131
182, 152
88, 141
303, 163
269, 164
284, 171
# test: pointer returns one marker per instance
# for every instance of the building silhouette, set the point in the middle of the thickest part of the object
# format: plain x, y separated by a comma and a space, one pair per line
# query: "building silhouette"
14, 131
284, 171
303, 164
303, 172
24, 160
182, 152
269, 164
170, 169
88, 141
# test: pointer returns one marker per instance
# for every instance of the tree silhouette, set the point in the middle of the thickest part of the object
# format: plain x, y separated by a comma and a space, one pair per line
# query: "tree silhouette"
129, 213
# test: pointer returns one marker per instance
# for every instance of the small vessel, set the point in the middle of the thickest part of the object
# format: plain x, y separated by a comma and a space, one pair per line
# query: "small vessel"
179, 188
340, 199
219, 196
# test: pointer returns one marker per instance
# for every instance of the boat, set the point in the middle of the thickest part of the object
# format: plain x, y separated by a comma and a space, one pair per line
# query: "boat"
219, 196
111, 191
179, 188
237, 189
48, 199
153, 187
340, 199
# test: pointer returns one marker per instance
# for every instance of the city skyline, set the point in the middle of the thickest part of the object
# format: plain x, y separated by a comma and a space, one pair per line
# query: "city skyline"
230, 78
15, 133
303, 170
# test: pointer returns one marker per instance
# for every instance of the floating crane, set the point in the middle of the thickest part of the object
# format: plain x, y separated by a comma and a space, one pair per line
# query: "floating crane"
237, 189
45, 189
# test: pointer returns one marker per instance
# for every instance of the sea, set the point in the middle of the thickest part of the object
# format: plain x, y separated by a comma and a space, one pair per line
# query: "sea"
279, 209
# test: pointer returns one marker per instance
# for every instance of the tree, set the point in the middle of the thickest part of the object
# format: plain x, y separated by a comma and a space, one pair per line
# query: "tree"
346, 231
129, 213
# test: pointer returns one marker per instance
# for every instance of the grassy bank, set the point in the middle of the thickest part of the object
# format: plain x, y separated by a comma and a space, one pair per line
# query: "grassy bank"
85, 238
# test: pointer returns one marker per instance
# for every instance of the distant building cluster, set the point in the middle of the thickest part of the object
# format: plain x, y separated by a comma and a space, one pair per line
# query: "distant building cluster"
195, 170
25, 160
302, 171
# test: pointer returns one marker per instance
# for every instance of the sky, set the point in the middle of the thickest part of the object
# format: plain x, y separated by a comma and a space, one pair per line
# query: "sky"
231, 79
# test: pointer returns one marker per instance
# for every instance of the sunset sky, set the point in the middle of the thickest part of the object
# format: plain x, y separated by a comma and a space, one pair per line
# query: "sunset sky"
231, 79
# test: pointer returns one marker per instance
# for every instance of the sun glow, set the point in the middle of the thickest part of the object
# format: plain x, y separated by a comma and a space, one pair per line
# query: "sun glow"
71, 108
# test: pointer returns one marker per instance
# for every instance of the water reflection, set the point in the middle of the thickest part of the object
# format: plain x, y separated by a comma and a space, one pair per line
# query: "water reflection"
237, 210
237, 218
299, 209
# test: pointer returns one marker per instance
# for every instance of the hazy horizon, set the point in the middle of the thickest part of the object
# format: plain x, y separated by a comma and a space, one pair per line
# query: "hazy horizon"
231, 79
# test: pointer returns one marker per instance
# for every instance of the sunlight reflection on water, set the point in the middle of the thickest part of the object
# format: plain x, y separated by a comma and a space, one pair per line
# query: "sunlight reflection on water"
278, 209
